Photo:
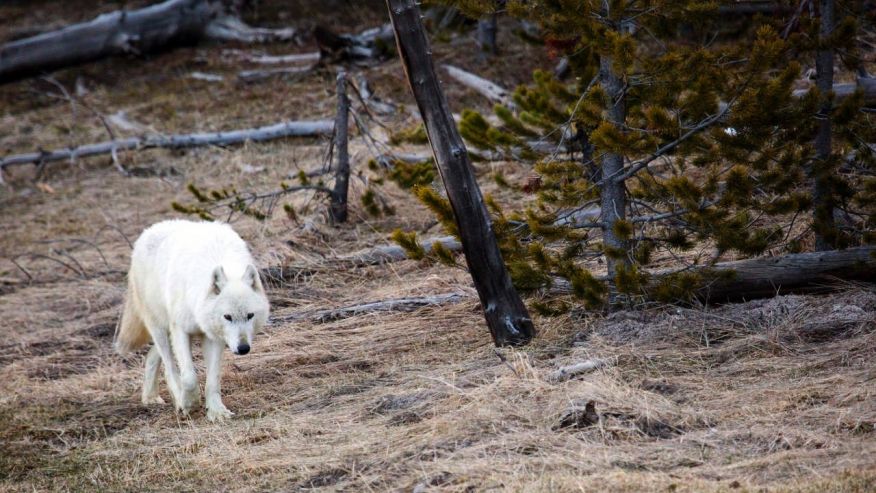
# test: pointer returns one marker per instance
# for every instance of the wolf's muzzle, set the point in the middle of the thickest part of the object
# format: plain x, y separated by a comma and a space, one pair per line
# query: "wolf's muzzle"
242, 349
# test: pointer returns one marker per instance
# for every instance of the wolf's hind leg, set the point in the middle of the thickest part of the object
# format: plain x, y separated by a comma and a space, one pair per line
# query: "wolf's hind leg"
150, 377
162, 344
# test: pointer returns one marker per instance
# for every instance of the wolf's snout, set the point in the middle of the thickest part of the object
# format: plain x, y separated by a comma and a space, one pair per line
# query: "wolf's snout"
242, 348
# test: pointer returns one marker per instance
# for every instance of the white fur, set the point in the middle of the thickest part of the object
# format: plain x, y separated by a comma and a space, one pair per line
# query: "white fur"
185, 278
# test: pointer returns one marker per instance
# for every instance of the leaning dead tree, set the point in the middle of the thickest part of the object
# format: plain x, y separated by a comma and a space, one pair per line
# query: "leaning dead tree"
505, 313
338, 206
150, 29
269, 132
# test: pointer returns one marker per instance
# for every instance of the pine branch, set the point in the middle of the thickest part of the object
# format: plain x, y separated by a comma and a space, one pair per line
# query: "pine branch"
641, 164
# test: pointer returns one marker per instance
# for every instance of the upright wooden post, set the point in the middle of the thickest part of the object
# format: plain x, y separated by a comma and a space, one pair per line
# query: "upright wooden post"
338, 207
507, 317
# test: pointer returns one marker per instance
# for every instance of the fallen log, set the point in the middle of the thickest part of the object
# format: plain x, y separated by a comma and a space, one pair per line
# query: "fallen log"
230, 28
312, 57
867, 85
486, 88
367, 97
364, 258
391, 305
153, 28
394, 253
754, 7
765, 277
256, 75
276, 131
367, 47
813, 273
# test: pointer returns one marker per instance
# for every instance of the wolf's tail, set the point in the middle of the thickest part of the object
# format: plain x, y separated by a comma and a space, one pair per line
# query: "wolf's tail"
131, 332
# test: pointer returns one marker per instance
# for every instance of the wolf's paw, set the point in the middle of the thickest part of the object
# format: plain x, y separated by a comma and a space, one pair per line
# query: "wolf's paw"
152, 399
218, 413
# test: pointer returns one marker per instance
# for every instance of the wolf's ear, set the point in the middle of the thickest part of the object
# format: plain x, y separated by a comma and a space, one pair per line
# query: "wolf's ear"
219, 280
251, 276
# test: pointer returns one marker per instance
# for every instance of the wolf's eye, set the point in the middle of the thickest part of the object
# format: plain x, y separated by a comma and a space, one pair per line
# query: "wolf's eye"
249, 316
228, 317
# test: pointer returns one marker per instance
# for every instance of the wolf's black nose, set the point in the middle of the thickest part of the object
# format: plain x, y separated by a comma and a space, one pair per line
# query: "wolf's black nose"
243, 349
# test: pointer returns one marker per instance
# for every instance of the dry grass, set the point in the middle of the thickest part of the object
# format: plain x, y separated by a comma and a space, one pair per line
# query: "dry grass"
736, 398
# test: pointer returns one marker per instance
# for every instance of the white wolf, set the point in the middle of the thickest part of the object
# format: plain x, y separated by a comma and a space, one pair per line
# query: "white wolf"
190, 280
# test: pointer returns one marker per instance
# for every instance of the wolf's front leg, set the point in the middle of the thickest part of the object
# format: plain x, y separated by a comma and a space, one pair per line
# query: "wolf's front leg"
216, 411
189, 391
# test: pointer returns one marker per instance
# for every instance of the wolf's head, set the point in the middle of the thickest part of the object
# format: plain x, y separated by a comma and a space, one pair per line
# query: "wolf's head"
239, 309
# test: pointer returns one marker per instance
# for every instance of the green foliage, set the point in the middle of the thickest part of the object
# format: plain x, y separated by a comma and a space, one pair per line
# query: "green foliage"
443, 254
290, 212
415, 134
736, 184
439, 206
369, 202
409, 243
409, 175
675, 288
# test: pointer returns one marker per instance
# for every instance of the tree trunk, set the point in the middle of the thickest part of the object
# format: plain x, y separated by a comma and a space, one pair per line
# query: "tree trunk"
821, 169
487, 37
505, 313
614, 205
338, 207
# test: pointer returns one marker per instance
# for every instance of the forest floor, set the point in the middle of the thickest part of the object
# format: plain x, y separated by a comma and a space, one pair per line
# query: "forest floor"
730, 398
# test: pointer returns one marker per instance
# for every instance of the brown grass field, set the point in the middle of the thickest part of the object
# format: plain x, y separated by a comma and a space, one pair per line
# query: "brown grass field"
728, 398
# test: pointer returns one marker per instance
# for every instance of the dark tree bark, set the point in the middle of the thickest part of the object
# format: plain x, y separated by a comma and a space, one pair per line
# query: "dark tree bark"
505, 313
614, 200
338, 207
821, 170
167, 24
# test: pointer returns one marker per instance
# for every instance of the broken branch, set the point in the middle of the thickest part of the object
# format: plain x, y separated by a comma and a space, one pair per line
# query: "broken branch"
568, 372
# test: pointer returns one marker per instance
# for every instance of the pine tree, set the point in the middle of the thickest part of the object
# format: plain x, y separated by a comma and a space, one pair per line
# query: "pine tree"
682, 144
